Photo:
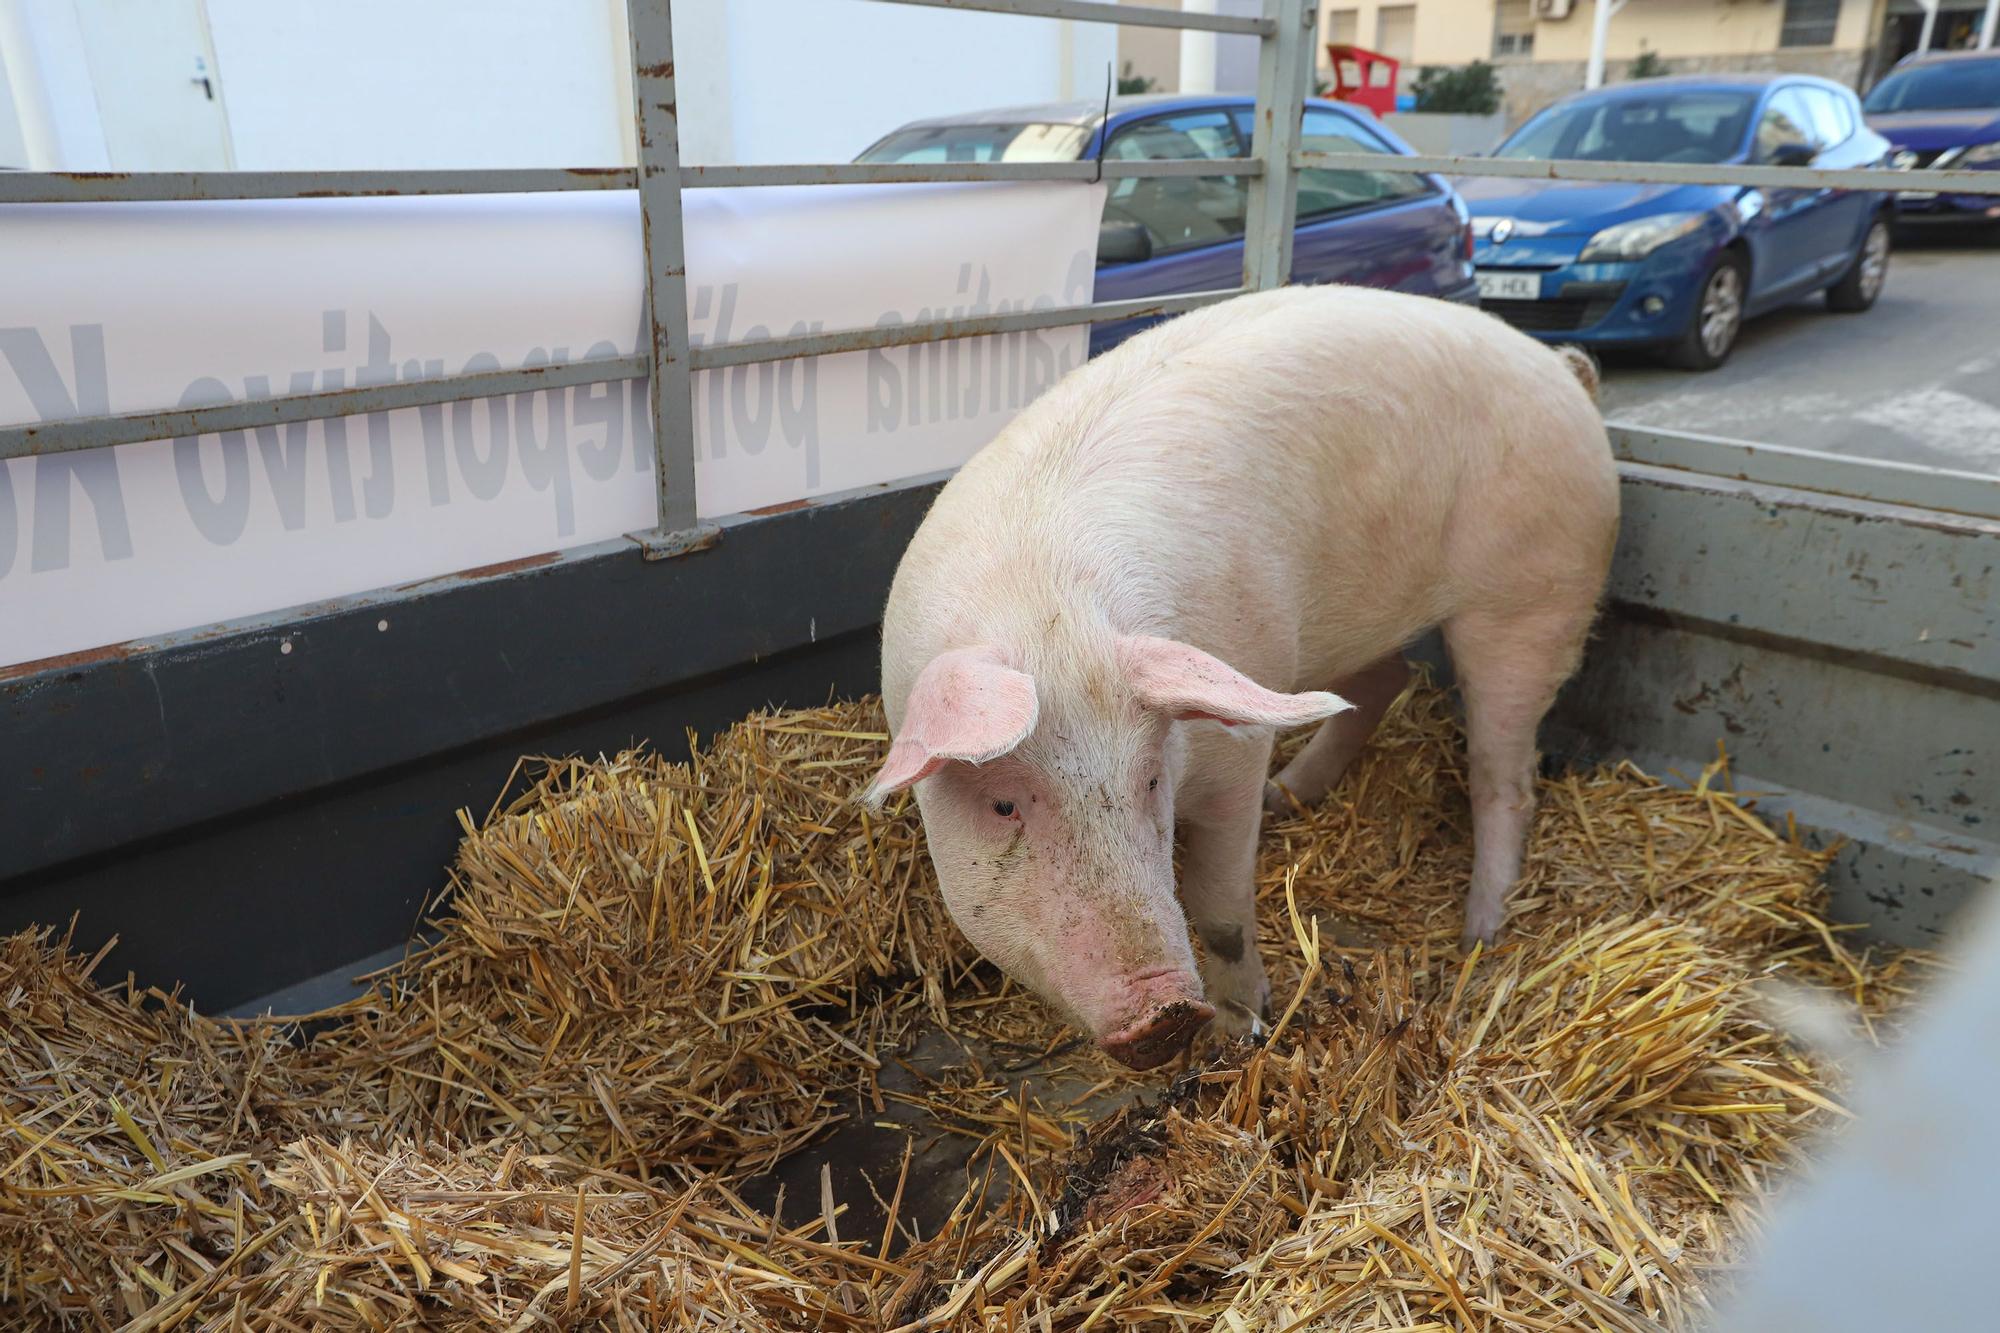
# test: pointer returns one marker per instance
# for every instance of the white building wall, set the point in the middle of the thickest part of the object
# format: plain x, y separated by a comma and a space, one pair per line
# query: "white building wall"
820, 80
492, 83
49, 78
13, 138
441, 83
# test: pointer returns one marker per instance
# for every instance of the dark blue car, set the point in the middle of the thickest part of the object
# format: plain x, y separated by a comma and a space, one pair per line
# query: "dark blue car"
1941, 109
1387, 228
1680, 267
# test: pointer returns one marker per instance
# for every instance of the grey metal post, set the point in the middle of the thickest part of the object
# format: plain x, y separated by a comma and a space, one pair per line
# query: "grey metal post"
1284, 69
671, 396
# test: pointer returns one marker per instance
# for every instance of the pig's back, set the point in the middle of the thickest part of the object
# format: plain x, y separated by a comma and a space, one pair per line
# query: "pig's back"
1303, 476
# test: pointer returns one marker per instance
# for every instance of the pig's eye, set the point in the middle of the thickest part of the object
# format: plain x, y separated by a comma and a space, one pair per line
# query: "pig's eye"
1004, 809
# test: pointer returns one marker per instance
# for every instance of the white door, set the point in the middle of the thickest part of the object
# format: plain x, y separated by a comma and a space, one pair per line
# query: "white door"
152, 68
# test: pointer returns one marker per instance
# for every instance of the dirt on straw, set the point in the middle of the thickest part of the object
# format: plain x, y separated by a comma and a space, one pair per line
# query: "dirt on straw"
652, 981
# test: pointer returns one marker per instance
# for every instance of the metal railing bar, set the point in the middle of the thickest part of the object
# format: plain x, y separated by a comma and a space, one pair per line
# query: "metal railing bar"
159, 186
64, 436
749, 351
1667, 173
896, 173
88, 187
64, 187
1284, 80
670, 389
1858, 478
1092, 11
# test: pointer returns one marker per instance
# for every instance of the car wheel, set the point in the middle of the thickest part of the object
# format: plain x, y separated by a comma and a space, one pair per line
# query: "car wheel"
1862, 283
1717, 319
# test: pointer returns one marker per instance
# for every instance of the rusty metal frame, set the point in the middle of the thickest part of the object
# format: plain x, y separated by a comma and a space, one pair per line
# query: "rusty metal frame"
105, 187
73, 433
1673, 173
1285, 34
1093, 11
99, 187
1284, 31
1912, 485
670, 388
1284, 80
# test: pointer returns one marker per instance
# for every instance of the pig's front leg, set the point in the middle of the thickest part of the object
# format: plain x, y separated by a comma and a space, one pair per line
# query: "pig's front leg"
1219, 890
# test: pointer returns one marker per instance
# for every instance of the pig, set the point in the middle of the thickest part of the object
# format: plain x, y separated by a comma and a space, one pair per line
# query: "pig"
1232, 523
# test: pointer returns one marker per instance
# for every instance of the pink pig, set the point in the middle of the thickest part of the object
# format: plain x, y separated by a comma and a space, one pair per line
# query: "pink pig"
1185, 545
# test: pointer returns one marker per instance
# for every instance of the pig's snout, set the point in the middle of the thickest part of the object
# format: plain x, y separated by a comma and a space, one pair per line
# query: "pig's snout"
1161, 1034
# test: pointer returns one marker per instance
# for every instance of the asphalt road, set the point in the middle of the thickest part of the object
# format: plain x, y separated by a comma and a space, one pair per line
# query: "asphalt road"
1916, 379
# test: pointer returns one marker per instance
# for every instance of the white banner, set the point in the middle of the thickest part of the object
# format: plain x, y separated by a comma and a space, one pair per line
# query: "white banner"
136, 307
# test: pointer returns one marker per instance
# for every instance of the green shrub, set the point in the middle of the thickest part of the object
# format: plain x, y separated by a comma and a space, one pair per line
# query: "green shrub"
1128, 82
1647, 66
1468, 90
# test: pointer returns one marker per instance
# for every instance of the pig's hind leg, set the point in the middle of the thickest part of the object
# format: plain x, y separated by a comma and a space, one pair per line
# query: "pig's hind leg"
1509, 669
1320, 762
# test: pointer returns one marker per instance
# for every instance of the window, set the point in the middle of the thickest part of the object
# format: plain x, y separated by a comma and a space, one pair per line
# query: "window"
1323, 193
1514, 28
1642, 126
1832, 119
1809, 22
1342, 27
1179, 212
1785, 121
981, 143
1957, 85
1396, 31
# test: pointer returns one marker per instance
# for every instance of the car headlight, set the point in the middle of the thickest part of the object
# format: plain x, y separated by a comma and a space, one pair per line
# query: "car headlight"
1640, 237
1980, 154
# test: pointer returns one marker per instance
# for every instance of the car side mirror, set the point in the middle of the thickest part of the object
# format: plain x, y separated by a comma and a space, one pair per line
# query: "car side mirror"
1123, 243
1793, 155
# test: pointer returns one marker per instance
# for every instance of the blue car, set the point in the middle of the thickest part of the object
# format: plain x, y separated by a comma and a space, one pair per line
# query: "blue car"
1941, 109
1389, 228
1680, 267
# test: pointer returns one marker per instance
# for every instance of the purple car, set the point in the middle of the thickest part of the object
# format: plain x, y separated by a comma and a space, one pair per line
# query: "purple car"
1399, 229
1941, 109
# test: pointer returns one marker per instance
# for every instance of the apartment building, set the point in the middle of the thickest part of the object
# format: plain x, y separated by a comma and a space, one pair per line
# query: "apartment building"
1542, 46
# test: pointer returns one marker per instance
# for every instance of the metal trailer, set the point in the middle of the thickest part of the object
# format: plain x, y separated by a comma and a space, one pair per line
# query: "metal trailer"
1831, 620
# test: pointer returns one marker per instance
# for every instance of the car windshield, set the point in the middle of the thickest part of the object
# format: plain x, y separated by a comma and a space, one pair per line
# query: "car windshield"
1956, 85
1658, 127
981, 143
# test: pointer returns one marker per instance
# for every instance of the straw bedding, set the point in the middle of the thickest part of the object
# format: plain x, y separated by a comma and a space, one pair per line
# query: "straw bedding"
654, 980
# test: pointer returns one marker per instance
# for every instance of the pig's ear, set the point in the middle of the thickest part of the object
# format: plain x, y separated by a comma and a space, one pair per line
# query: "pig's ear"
1189, 685
966, 706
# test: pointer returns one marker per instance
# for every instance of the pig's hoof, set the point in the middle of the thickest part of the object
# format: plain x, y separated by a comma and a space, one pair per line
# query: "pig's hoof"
1235, 1021
1160, 1035
1480, 930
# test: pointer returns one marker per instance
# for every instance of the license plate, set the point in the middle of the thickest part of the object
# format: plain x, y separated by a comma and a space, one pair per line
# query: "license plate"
1916, 196
1509, 286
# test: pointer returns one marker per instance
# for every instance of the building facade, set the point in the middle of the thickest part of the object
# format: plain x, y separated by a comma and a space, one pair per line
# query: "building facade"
1541, 46
181, 85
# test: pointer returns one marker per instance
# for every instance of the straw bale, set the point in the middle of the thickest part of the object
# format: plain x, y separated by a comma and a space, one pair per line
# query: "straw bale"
1572, 1132
663, 963
489, 1238
653, 980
